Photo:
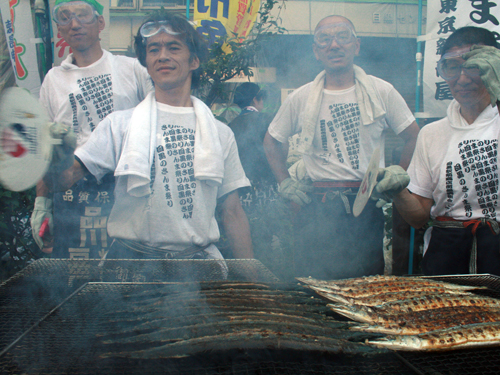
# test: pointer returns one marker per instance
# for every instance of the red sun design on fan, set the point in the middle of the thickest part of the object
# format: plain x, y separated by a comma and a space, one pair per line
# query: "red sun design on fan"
11, 146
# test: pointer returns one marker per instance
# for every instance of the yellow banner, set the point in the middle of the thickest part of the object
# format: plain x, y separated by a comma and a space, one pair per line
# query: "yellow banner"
215, 19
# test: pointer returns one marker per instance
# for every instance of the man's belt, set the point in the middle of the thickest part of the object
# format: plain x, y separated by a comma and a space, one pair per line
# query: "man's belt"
449, 222
333, 189
192, 252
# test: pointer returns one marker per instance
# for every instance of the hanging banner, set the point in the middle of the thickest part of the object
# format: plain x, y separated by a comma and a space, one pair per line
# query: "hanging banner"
18, 25
215, 19
443, 18
61, 49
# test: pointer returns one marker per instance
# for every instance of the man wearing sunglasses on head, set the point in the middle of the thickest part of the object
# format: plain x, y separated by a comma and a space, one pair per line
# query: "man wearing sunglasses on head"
341, 117
454, 171
174, 162
90, 84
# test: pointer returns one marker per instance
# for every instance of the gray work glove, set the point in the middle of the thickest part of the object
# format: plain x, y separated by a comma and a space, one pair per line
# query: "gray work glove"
296, 191
391, 181
62, 154
41, 211
487, 60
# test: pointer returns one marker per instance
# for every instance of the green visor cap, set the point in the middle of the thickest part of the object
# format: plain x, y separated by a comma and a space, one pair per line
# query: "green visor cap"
98, 7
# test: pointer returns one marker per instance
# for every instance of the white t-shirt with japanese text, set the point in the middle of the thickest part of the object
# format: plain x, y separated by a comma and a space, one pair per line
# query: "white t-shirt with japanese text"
455, 164
180, 212
342, 146
82, 97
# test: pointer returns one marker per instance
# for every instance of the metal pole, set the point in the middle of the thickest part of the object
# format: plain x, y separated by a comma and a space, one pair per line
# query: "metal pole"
187, 9
417, 109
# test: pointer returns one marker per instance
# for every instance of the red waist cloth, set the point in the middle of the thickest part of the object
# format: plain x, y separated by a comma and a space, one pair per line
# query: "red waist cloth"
466, 223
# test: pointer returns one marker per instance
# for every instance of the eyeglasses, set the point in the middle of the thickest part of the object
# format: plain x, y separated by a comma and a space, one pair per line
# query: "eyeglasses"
150, 29
450, 66
79, 10
343, 34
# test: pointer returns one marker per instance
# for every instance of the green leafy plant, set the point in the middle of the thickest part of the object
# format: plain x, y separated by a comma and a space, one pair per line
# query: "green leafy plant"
223, 66
17, 247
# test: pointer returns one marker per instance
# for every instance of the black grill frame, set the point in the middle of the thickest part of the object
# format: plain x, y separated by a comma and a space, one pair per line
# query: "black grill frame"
32, 299
71, 333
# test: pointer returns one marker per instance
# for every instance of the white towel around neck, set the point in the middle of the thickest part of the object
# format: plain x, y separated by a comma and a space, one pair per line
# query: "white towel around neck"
140, 143
370, 107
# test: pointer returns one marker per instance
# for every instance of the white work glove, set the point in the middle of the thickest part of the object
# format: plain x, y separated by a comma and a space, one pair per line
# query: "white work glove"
41, 211
296, 191
392, 180
63, 154
487, 60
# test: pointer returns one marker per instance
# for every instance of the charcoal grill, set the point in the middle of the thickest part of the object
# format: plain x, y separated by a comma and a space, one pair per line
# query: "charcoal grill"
482, 361
56, 326
33, 292
69, 341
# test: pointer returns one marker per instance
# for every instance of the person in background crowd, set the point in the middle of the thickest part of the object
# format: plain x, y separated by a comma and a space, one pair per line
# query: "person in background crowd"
341, 116
174, 162
249, 130
454, 172
90, 84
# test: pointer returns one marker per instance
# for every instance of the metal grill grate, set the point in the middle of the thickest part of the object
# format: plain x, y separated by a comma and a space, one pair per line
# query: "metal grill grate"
36, 290
492, 282
70, 341
484, 361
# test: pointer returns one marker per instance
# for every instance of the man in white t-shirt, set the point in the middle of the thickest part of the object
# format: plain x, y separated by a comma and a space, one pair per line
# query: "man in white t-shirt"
454, 171
90, 84
174, 163
341, 116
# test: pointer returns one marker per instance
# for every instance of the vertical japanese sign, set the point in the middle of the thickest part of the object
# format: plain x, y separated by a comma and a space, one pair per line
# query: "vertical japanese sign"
18, 25
443, 18
217, 18
62, 49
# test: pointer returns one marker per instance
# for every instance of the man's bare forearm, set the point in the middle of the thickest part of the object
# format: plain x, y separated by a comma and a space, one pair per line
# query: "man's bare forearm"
414, 209
66, 179
276, 154
42, 190
409, 136
237, 228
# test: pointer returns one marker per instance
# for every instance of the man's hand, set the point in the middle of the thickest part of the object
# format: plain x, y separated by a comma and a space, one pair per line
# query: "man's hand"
296, 191
392, 180
41, 211
62, 154
487, 60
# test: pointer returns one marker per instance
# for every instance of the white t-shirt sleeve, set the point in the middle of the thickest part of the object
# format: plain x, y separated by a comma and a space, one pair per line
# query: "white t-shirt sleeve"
144, 82
286, 122
101, 152
398, 115
420, 170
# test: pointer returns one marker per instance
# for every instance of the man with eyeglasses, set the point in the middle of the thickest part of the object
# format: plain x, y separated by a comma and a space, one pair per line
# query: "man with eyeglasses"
454, 171
90, 84
341, 117
174, 162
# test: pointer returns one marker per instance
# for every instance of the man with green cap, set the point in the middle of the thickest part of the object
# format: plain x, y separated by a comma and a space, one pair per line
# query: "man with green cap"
90, 84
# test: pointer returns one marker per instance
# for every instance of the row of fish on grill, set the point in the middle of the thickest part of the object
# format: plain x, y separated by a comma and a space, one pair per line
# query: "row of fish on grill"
179, 320
416, 314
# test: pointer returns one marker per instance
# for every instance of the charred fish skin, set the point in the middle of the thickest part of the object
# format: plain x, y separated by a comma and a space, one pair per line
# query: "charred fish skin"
447, 314
473, 335
225, 327
157, 314
248, 339
372, 291
139, 327
434, 301
384, 282
409, 327
371, 299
